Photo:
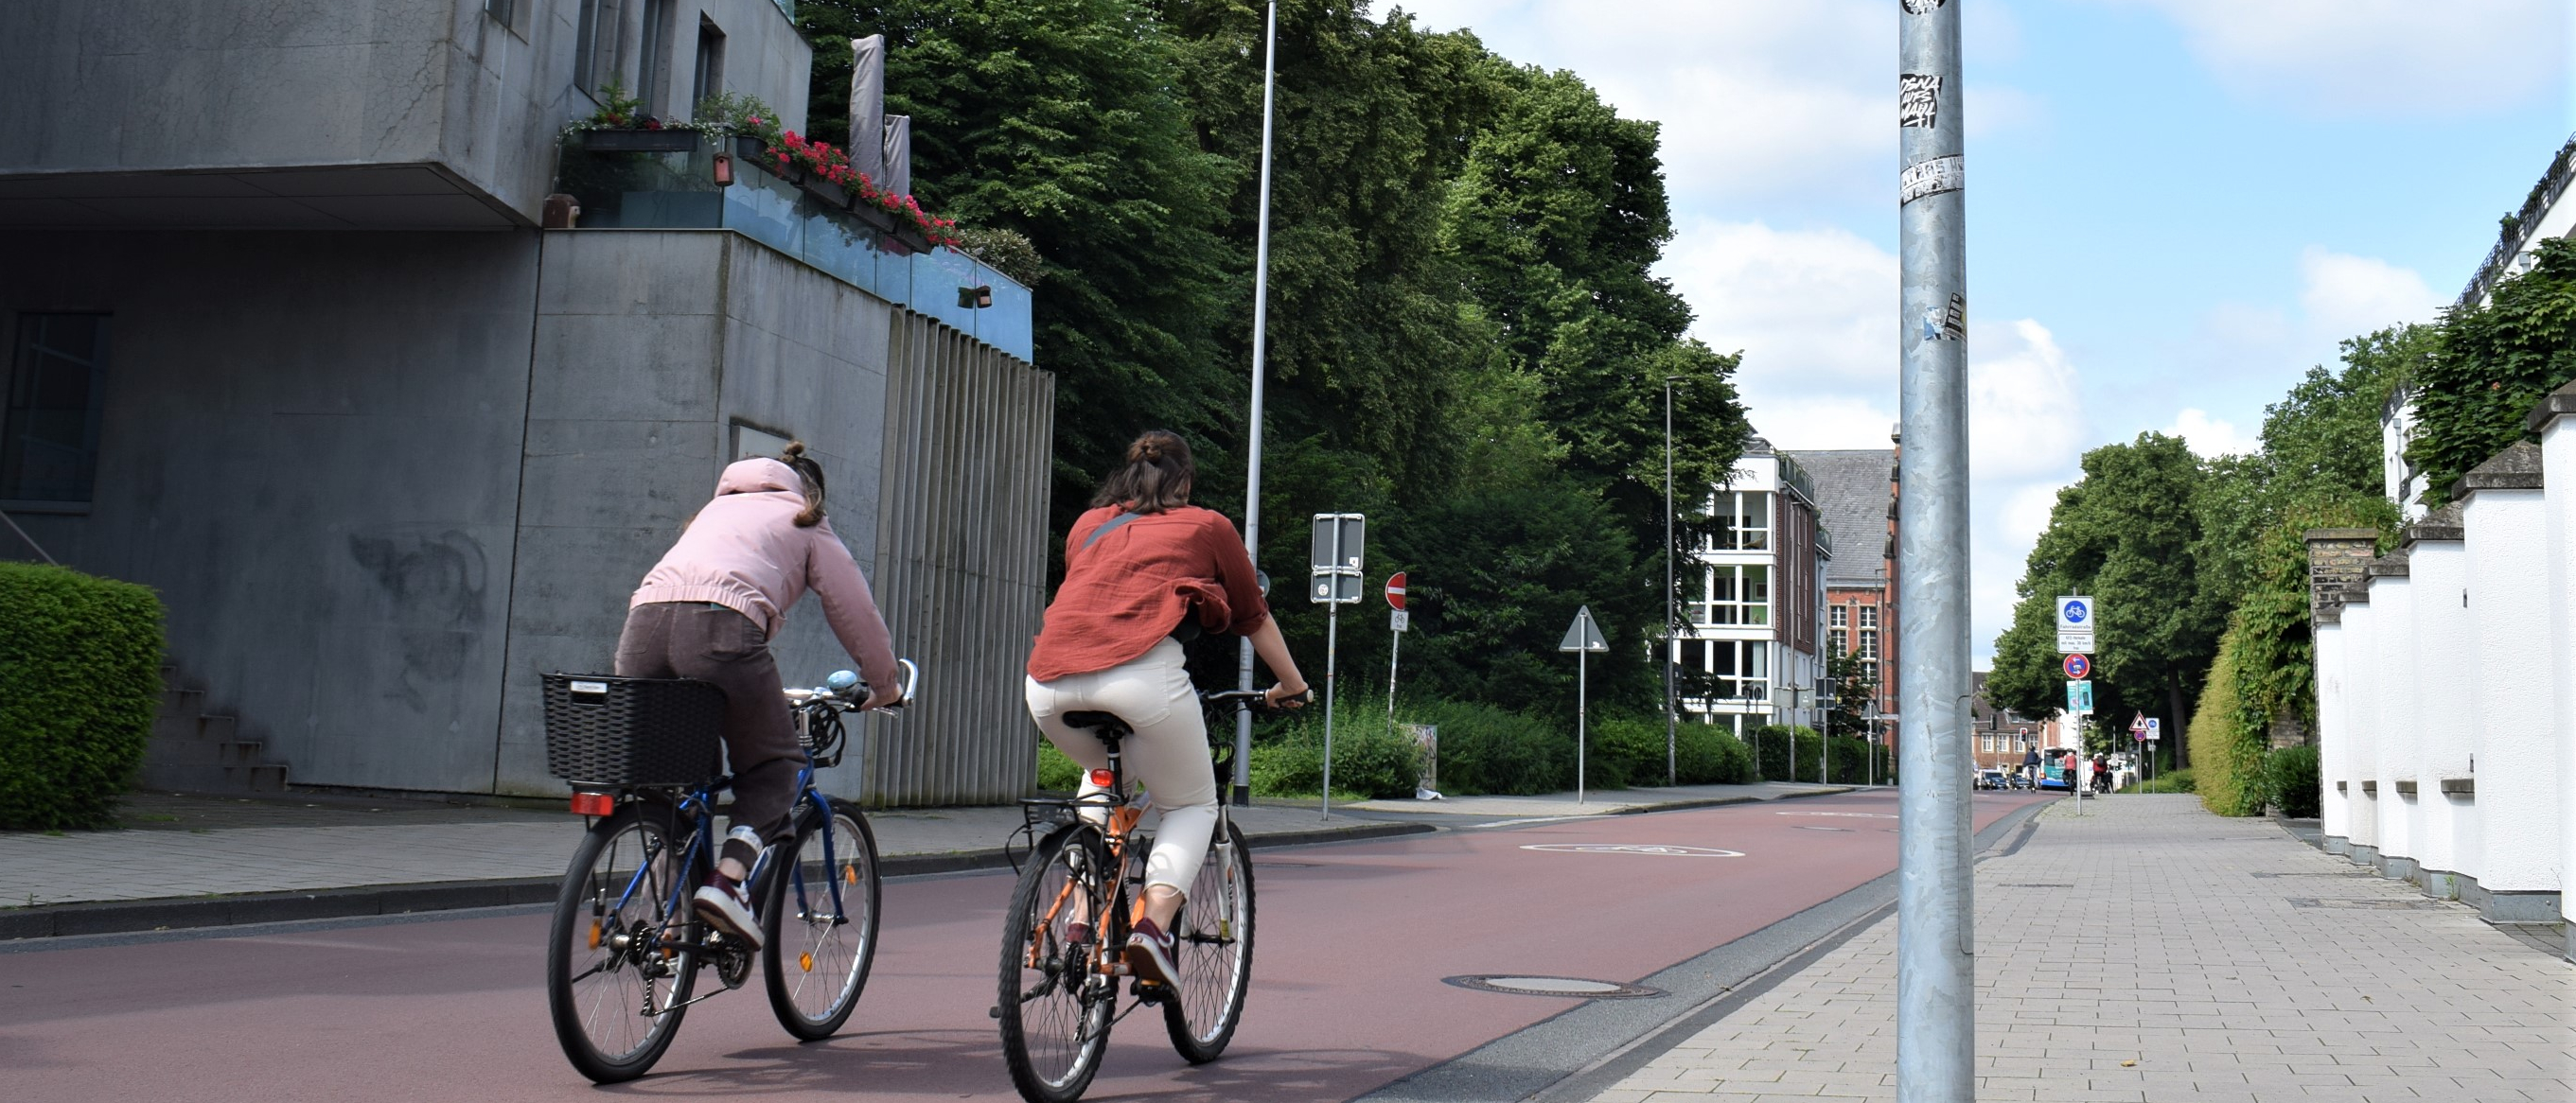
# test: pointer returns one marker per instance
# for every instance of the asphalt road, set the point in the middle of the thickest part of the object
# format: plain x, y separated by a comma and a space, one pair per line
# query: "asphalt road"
1353, 945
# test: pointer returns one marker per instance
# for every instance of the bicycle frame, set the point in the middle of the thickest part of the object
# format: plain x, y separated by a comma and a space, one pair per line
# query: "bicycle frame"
699, 806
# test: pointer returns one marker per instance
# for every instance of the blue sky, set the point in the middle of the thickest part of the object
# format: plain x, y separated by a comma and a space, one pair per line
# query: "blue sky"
2175, 206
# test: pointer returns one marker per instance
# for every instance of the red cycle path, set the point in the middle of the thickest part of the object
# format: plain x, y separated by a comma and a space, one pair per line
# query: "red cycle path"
1353, 943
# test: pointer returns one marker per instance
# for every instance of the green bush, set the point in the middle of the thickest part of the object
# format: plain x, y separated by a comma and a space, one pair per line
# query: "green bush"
1776, 742
2172, 781
2292, 777
1055, 771
1711, 755
1370, 759
1484, 749
80, 680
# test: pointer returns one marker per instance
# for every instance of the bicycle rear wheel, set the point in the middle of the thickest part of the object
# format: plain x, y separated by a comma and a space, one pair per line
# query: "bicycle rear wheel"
1054, 1006
619, 963
1213, 937
820, 922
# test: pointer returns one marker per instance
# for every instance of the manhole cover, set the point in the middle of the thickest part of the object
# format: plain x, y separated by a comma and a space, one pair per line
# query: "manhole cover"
1577, 987
1636, 848
1852, 815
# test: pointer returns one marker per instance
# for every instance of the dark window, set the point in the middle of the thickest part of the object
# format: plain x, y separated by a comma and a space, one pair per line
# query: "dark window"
710, 75
599, 54
49, 442
652, 62
501, 9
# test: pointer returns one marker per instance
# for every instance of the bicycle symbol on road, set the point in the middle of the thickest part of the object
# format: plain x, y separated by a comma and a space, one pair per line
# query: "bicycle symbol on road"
1637, 848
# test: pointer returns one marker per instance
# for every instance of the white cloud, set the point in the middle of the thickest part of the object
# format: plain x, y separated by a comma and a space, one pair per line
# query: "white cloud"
2209, 437
2343, 295
2405, 57
1813, 312
1757, 101
2025, 417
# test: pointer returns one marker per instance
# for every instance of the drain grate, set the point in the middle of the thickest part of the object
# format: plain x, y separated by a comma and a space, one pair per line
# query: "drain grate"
1581, 988
2365, 905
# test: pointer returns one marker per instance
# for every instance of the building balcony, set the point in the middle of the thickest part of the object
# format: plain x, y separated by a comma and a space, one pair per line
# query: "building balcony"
678, 190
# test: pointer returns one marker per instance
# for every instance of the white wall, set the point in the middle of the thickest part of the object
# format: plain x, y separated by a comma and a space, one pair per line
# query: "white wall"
2558, 468
2442, 657
2361, 705
2515, 768
2392, 603
2334, 731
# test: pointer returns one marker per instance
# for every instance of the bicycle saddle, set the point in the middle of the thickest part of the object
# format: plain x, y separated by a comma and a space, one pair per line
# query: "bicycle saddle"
1087, 719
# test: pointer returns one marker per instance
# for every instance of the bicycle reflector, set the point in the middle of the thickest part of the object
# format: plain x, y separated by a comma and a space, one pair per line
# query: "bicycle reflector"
593, 804
1103, 779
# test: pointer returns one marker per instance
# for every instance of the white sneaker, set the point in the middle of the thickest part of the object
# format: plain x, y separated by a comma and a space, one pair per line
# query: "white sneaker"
727, 907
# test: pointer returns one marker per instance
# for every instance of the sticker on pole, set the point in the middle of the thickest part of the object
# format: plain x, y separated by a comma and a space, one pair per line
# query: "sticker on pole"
2079, 697
2078, 667
1584, 634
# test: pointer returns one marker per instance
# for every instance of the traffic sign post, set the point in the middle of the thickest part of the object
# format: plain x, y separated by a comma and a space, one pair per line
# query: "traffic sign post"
2076, 616
1398, 622
1583, 637
1334, 581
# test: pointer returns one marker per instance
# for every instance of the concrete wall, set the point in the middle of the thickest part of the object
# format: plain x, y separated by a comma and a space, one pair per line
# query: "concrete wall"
2361, 762
175, 85
2392, 613
2444, 655
309, 448
2334, 733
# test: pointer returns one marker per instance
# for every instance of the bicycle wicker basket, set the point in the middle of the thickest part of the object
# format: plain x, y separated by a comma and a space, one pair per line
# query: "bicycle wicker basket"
609, 731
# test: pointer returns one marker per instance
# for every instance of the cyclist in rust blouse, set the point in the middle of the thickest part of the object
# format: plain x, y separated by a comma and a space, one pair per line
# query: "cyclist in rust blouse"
1143, 570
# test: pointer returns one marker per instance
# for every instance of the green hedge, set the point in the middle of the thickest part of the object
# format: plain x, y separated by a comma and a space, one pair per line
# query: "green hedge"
2292, 778
1370, 759
1632, 750
80, 680
2171, 781
1484, 749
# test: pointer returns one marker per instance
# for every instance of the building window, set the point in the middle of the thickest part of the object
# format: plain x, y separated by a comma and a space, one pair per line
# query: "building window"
1869, 616
501, 10
1744, 521
1840, 638
653, 59
1735, 593
49, 438
599, 51
1742, 667
710, 70
1841, 615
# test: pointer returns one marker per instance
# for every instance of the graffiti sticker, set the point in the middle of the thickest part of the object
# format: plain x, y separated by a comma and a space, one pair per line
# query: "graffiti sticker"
1931, 177
1918, 100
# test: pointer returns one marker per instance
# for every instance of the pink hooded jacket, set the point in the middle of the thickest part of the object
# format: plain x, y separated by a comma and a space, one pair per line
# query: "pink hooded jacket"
744, 552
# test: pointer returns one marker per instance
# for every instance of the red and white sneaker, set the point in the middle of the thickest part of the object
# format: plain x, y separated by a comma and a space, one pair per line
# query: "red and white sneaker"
724, 905
1150, 954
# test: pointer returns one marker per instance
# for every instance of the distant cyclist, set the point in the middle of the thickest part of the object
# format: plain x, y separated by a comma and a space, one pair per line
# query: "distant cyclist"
1144, 571
708, 611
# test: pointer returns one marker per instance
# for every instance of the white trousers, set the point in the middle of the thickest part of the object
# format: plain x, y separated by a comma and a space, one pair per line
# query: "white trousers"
1168, 753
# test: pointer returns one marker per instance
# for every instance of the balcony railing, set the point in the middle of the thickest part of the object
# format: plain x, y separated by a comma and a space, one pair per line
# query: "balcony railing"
678, 191
2526, 223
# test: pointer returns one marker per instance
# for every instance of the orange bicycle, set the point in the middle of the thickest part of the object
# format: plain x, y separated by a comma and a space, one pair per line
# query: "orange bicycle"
1063, 942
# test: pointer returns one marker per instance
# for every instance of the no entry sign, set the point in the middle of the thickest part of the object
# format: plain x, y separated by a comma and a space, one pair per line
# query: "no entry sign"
1395, 590
2078, 666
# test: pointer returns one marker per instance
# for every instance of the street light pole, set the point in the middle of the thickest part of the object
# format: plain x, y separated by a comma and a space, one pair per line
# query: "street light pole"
1672, 708
1260, 349
1935, 961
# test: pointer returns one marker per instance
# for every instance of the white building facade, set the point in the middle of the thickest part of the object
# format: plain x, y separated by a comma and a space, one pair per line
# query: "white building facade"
1753, 635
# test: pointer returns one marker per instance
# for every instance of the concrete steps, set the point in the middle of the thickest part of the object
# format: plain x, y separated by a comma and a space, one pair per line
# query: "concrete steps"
193, 752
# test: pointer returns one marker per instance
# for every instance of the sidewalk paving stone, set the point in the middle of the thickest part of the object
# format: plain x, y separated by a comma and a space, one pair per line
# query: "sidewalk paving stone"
2178, 967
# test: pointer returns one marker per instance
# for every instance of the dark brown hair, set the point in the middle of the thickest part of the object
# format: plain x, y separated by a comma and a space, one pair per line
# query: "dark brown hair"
795, 458
1156, 476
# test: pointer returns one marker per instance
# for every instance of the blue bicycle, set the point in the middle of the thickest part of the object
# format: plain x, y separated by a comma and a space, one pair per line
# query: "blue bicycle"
626, 946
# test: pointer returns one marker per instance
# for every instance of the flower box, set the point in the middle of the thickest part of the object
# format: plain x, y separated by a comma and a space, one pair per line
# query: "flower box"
640, 141
875, 218
827, 193
912, 237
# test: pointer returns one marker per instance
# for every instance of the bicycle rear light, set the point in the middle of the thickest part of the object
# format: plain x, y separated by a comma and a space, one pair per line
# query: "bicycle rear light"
1103, 779
593, 804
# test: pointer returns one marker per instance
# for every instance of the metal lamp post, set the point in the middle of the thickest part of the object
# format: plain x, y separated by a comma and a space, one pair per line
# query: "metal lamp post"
1260, 349
1672, 708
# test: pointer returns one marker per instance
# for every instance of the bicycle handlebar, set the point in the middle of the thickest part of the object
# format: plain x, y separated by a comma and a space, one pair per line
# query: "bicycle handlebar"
845, 691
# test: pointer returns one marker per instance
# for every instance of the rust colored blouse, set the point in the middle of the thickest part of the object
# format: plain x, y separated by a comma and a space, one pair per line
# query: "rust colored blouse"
1130, 588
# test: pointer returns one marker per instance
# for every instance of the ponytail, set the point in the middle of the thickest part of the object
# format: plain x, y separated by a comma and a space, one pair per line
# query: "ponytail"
812, 473
1156, 476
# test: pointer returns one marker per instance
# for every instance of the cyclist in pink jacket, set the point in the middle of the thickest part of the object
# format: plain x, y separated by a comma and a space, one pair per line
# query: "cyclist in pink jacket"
708, 611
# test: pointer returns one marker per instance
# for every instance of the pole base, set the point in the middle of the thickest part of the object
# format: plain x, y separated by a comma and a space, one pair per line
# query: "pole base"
1243, 796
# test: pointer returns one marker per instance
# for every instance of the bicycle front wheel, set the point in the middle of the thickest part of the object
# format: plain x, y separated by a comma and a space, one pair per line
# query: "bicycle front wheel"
1213, 934
1054, 1005
619, 961
820, 921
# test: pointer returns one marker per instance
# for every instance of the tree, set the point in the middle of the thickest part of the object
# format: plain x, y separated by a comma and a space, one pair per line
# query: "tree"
1854, 689
2125, 534
2494, 364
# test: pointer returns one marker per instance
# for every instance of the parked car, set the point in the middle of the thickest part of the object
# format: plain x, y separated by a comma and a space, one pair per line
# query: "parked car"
1990, 779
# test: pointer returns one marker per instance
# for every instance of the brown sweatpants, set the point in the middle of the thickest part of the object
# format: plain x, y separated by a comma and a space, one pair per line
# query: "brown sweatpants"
711, 643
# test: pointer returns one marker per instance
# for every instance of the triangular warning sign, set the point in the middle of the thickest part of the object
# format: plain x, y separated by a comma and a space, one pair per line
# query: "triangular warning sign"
1584, 634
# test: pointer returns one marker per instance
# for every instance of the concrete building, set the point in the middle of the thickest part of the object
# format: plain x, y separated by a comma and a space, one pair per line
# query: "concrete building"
1754, 644
1856, 495
290, 346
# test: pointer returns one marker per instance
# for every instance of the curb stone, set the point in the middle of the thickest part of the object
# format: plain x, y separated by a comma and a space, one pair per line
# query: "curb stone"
174, 913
